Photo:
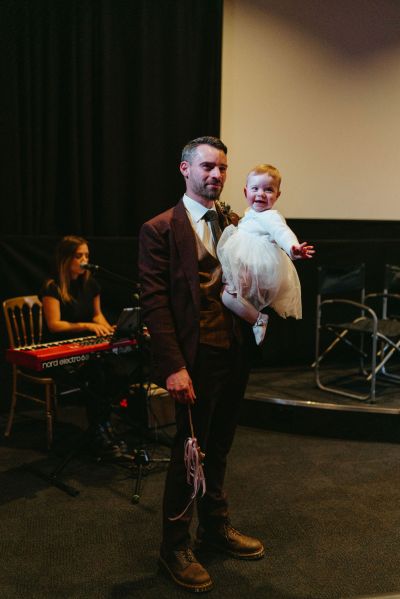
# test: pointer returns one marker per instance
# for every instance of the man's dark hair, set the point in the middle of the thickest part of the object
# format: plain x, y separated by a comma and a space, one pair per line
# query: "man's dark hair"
190, 148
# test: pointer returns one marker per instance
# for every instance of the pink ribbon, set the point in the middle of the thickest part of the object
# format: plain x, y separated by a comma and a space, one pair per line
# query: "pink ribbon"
194, 471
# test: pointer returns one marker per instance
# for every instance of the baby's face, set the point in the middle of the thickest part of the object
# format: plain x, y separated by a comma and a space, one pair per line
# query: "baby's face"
261, 192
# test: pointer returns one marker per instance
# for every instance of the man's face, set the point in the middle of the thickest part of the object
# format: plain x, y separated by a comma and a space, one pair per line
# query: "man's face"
205, 175
261, 192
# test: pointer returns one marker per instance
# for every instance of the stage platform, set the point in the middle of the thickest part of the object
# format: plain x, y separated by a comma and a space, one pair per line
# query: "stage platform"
295, 386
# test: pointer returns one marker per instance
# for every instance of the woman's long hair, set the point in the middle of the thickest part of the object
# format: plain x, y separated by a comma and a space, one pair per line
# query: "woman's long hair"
65, 252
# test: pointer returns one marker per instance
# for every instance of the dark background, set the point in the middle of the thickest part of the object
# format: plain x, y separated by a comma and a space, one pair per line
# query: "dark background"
98, 98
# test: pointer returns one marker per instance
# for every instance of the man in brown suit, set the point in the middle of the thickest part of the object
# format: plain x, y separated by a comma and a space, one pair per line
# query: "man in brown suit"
199, 357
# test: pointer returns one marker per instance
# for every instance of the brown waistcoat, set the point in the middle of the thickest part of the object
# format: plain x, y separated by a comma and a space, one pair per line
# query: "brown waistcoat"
216, 322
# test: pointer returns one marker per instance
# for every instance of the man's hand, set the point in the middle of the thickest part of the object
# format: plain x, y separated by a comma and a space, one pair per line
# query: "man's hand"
180, 387
303, 251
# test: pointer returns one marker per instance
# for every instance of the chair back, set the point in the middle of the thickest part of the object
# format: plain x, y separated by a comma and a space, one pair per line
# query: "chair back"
341, 280
391, 292
24, 320
392, 278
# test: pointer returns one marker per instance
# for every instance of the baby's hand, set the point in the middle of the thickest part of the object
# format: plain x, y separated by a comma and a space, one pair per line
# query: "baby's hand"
303, 251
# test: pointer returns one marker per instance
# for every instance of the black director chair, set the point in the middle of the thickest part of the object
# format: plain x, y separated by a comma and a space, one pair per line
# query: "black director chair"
390, 306
344, 313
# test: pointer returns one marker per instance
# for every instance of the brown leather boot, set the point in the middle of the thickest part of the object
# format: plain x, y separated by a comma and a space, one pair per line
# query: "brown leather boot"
228, 540
185, 570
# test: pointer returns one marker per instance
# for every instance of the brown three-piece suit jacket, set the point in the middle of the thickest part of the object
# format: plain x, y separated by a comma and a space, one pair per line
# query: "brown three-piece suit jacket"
170, 300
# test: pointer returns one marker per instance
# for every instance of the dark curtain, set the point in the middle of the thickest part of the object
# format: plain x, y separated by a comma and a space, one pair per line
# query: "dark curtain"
98, 97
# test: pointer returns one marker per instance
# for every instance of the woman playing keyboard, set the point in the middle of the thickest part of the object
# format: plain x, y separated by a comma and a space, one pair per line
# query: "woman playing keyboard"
72, 308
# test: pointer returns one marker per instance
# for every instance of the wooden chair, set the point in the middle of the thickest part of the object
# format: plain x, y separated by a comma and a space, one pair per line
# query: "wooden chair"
24, 321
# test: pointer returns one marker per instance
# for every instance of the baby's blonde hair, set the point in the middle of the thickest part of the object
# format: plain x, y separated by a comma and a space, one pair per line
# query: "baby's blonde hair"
266, 169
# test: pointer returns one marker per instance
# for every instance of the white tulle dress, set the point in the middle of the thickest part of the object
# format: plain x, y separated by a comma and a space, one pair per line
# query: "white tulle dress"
256, 264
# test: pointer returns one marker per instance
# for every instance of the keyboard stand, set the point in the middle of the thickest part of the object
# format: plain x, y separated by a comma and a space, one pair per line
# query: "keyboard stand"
52, 477
140, 458
137, 462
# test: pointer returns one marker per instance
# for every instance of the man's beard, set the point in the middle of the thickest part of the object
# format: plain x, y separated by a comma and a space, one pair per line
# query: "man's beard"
207, 192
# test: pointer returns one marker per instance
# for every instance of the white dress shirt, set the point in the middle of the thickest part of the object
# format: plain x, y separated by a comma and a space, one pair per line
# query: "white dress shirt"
202, 228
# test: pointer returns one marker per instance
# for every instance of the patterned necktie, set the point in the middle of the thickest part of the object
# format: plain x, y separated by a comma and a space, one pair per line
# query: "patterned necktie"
211, 216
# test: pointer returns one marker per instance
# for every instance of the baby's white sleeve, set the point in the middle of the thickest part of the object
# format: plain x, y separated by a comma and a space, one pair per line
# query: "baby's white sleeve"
281, 233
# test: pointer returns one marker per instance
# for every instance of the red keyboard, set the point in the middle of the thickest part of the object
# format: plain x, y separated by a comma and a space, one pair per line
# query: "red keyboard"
64, 353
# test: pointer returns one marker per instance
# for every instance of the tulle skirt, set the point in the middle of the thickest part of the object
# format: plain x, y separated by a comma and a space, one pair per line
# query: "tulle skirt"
259, 271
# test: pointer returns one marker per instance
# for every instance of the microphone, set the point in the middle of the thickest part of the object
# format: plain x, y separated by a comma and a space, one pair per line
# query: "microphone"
88, 266
107, 273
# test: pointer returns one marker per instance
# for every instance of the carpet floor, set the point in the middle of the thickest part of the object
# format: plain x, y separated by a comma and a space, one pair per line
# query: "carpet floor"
322, 491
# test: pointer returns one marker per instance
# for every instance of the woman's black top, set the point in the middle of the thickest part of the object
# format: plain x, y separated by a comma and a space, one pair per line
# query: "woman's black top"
79, 309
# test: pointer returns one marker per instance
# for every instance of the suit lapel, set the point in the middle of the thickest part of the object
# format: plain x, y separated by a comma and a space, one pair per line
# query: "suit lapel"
186, 245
